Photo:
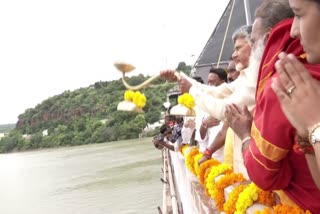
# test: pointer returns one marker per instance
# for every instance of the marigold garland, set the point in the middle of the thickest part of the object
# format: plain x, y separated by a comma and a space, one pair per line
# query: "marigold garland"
205, 177
229, 206
266, 198
214, 172
190, 159
281, 209
183, 148
205, 169
187, 100
196, 164
221, 184
266, 210
247, 198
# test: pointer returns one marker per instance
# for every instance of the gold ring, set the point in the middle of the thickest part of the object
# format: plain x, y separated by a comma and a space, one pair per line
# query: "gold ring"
291, 89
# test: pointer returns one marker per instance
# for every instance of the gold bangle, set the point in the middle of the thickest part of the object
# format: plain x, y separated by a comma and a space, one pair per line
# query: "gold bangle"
313, 128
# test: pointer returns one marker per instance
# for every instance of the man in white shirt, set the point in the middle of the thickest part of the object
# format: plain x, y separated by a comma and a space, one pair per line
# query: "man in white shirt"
214, 99
241, 91
207, 127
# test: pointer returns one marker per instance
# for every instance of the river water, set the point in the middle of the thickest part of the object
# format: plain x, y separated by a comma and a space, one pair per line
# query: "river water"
120, 177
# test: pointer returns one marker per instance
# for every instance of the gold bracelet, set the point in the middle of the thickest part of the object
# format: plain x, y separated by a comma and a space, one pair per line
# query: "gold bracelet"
313, 128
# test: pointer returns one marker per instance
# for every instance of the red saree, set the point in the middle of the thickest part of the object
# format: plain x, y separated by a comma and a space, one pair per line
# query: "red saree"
270, 160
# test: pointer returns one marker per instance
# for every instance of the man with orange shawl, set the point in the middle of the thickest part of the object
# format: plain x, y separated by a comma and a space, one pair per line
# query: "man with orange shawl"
269, 156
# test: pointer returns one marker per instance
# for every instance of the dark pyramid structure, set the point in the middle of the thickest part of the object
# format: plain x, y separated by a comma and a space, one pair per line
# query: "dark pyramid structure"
210, 54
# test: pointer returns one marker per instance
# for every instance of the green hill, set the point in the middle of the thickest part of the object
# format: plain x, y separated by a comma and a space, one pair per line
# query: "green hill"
86, 115
4, 128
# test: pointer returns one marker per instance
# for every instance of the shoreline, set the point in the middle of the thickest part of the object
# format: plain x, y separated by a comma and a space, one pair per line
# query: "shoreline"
14, 151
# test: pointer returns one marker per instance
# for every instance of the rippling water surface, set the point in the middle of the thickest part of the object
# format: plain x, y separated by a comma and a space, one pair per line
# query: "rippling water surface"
119, 177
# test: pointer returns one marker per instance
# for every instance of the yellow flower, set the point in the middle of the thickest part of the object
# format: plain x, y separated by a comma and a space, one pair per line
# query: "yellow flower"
187, 100
221, 184
205, 169
128, 95
183, 148
229, 206
215, 172
189, 159
196, 165
139, 99
247, 198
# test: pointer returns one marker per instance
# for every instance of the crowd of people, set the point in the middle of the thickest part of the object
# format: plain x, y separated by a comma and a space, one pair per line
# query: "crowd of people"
260, 114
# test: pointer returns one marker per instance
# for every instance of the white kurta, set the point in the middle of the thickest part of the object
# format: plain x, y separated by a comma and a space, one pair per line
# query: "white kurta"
210, 136
213, 100
186, 132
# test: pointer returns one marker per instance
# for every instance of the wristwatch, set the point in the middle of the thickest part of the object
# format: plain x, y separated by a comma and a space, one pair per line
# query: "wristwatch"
314, 134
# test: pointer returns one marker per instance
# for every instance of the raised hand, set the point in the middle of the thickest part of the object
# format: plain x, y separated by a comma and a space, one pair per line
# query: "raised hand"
210, 121
168, 75
184, 85
190, 123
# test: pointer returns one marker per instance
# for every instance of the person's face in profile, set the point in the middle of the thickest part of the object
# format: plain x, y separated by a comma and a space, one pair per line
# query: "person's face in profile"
232, 72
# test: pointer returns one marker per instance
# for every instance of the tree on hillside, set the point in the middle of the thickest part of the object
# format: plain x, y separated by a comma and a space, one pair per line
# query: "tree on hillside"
87, 115
184, 68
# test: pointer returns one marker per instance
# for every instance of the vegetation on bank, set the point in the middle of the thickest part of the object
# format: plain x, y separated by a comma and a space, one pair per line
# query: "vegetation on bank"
5, 128
86, 115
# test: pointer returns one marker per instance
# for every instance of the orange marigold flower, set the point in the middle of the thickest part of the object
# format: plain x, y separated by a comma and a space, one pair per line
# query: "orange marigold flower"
281, 209
230, 205
183, 148
221, 184
204, 168
266, 198
189, 160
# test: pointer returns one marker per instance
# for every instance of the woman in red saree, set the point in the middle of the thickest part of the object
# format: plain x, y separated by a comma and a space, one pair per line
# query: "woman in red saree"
270, 159
298, 90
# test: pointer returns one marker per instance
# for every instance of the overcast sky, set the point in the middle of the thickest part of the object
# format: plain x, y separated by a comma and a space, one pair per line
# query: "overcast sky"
47, 47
